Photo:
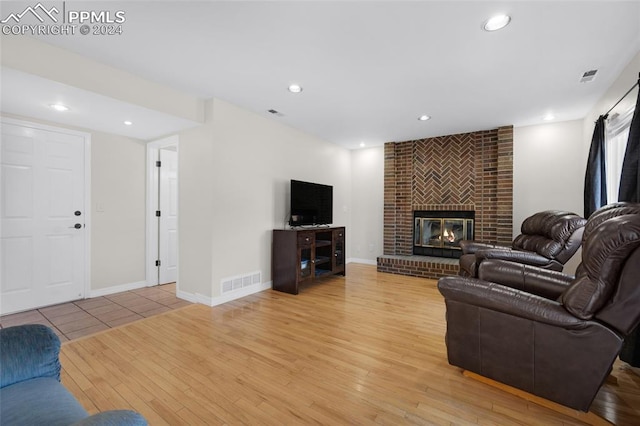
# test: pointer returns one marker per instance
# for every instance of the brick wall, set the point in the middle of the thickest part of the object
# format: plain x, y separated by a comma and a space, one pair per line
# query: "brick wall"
469, 171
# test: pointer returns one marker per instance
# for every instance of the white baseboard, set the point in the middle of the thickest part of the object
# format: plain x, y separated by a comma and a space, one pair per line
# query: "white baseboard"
189, 297
364, 261
193, 298
228, 297
237, 294
117, 289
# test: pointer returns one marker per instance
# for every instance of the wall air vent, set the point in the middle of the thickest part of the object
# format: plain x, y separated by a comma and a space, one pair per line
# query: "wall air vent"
588, 76
241, 281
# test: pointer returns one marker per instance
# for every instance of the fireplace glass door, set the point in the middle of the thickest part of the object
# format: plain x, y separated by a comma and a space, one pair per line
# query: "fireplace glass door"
431, 232
453, 231
442, 232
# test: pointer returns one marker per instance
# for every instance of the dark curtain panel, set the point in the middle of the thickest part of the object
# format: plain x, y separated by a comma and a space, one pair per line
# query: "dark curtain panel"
630, 178
595, 179
630, 191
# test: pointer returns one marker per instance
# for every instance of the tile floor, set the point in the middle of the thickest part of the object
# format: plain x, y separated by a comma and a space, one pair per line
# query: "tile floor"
83, 317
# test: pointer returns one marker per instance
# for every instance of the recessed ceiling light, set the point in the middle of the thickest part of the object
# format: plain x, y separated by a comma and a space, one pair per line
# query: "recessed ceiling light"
548, 117
424, 118
128, 123
59, 107
295, 88
362, 144
496, 22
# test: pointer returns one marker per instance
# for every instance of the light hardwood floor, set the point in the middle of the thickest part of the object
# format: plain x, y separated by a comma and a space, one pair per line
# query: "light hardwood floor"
365, 349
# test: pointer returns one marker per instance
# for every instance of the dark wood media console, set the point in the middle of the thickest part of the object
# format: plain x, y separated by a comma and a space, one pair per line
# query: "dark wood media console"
302, 255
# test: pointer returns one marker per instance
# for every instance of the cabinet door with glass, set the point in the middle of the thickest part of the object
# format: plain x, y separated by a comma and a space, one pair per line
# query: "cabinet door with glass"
338, 250
306, 255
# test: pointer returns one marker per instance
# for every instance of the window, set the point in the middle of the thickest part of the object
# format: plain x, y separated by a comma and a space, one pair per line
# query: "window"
616, 136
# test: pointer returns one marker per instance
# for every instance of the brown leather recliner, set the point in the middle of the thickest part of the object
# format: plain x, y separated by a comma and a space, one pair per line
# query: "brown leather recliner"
548, 240
544, 282
561, 349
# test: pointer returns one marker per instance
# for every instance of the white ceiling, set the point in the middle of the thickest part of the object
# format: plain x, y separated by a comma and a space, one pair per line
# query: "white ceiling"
31, 96
369, 69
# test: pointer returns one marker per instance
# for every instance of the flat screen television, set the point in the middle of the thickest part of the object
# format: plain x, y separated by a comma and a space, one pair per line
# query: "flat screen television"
311, 204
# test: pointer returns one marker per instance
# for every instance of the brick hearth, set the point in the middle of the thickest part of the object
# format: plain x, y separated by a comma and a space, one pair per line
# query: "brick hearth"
469, 171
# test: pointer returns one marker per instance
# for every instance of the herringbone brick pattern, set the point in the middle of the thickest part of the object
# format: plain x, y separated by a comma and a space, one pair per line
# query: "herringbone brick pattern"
443, 170
471, 172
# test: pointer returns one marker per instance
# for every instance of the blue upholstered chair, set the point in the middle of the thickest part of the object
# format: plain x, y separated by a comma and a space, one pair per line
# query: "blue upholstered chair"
30, 389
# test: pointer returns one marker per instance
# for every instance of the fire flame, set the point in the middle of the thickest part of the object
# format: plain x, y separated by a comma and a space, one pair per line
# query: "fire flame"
449, 235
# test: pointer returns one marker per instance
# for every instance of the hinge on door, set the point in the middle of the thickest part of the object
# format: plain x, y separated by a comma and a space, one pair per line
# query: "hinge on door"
158, 163
158, 263
157, 213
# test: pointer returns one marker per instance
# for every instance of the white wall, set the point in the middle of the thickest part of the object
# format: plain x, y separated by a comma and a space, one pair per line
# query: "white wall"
195, 208
234, 190
548, 169
35, 57
627, 78
234, 174
118, 211
367, 200
549, 160
549, 163
118, 190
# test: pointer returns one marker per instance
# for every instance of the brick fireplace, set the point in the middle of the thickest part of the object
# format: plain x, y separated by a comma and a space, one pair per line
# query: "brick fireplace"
469, 172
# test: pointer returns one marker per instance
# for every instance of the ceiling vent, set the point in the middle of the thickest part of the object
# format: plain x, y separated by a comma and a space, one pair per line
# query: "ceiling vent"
588, 76
274, 112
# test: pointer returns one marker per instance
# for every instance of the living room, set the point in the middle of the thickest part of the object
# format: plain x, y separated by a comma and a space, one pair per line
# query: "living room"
236, 164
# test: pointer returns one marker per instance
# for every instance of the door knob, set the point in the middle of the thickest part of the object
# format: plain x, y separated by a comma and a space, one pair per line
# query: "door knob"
76, 226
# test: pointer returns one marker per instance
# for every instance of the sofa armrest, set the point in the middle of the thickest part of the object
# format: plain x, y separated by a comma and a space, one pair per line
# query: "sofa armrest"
519, 256
496, 297
471, 246
27, 352
542, 282
113, 418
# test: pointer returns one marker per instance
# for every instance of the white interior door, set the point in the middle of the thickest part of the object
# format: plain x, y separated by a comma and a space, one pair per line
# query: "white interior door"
168, 226
42, 234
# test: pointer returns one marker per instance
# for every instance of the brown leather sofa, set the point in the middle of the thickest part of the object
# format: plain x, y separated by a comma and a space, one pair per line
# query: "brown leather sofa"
548, 239
559, 348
